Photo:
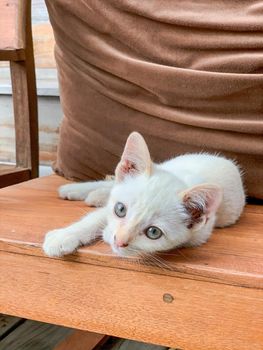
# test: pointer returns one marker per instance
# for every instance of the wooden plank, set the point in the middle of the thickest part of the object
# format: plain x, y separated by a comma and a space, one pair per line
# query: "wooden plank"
13, 24
82, 340
32, 94
8, 168
42, 336
233, 255
132, 304
23, 79
21, 113
43, 38
12, 55
33, 335
123, 344
25, 102
10, 175
7, 324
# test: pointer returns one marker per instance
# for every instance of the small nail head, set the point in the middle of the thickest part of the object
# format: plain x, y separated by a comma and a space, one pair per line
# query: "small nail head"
168, 298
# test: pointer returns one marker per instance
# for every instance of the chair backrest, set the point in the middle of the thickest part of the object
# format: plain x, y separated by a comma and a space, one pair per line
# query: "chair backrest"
13, 17
16, 46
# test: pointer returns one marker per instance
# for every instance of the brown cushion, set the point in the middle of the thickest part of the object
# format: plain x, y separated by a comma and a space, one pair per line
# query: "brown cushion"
186, 74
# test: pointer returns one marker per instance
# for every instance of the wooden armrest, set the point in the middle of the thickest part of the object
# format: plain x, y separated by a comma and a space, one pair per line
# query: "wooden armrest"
11, 174
12, 55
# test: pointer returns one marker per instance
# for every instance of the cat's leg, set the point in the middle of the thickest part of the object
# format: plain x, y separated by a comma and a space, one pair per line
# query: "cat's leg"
66, 240
80, 191
99, 197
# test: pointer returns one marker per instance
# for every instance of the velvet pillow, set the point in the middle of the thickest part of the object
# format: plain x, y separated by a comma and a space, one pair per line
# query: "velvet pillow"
188, 75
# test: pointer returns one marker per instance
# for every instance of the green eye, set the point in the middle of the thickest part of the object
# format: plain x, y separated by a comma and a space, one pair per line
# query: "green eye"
120, 210
153, 232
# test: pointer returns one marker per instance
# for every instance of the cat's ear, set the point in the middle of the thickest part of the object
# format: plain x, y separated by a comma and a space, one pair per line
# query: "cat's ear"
135, 159
201, 202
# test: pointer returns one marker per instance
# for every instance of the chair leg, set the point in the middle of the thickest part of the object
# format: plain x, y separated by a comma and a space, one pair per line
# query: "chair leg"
25, 112
25, 100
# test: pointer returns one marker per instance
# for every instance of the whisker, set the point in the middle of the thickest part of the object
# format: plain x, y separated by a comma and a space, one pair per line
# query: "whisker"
150, 260
156, 261
178, 251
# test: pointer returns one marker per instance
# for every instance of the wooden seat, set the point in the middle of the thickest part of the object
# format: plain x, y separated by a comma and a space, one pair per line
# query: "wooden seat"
209, 297
16, 47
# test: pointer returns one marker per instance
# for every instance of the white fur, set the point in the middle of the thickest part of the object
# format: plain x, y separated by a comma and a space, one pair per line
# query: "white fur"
66, 240
165, 195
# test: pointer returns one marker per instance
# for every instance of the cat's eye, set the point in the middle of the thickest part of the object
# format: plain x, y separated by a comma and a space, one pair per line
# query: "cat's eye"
153, 232
120, 209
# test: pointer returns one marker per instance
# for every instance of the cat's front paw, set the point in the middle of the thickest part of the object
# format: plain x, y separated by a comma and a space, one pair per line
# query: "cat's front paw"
72, 192
60, 242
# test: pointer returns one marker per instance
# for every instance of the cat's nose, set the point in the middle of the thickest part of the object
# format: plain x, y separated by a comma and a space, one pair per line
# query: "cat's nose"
120, 244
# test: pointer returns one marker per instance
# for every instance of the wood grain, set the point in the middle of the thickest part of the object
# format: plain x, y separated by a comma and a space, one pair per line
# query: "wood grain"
215, 290
232, 255
7, 324
18, 334
11, 55
44, 57
10, 175
25, 113
23, 81
122, 344
34, 336
11, 37
82, 340
129, 304
43, 36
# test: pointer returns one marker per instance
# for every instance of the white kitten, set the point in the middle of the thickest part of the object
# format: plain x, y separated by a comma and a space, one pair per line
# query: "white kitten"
153, 207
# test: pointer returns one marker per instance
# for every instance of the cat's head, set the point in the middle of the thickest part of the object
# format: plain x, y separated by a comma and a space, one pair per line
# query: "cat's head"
149, 208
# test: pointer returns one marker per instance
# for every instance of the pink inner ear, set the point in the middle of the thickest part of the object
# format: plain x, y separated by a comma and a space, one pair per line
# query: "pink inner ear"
135, 158
127, 167
200, 201
213, 199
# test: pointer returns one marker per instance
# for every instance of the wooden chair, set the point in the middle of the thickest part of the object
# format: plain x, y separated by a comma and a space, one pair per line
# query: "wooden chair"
209, 297
17, 48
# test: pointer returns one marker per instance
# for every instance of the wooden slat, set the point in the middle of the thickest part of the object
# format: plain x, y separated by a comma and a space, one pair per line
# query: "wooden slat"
21, 113
13, 24
132, 304
7, 324
219, 283
8, 168
10, 175
82, 340
25, 101
42, 35
33, 335
17, 30
31, 94
12, 55
123, 344
23, 334
233, 255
